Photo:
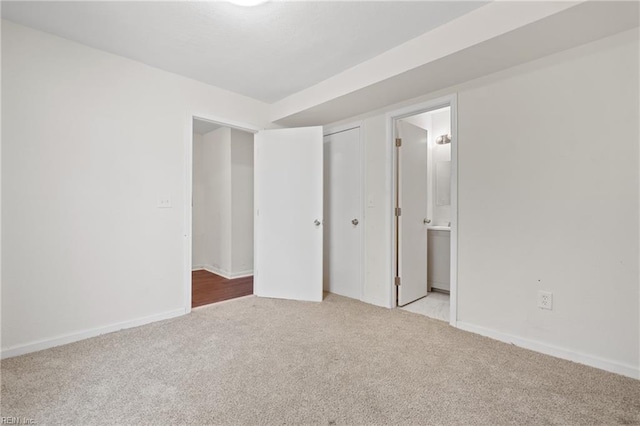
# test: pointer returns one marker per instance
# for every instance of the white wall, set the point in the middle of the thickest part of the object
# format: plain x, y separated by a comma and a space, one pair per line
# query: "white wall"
241, 202
217, 156
441, 125
377, 250
223, 203
90, 143
547, 201
212, 202
198, 234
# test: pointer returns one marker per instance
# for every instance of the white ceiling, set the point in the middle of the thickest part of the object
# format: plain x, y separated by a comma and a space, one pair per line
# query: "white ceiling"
495, 37
267, 52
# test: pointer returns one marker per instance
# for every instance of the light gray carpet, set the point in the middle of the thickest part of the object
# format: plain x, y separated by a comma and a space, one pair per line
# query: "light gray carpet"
262, 361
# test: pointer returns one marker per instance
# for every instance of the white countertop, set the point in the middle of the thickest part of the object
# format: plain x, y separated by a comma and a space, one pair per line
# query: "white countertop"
439, 228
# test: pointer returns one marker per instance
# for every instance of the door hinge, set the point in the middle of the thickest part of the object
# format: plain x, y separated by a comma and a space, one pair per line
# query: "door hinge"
398, 142
398, 211
397, 281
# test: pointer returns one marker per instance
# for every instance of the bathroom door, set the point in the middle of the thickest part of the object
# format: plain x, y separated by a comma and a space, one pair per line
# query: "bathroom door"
412, 199
343, 213
288, 213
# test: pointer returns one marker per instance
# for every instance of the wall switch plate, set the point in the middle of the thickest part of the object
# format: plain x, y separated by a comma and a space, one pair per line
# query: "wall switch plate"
164, 202
371, 202
545, 300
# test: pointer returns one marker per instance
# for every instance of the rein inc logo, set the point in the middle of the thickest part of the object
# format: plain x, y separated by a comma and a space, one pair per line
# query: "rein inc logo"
6, 420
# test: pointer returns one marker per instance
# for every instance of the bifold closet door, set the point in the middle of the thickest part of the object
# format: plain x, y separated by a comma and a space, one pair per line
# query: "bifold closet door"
343, 213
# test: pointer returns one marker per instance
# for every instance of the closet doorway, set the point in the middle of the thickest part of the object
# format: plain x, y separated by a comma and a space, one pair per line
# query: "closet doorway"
222, 212
425, 209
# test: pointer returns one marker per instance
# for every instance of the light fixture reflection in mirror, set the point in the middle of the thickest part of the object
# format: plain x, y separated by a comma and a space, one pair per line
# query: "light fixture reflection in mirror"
443, 140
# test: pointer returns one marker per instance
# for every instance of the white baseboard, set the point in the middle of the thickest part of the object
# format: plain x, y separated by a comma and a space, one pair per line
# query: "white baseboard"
85, 334
199, 268
558, 352
377, 302
224, 274
242, 274
212, 269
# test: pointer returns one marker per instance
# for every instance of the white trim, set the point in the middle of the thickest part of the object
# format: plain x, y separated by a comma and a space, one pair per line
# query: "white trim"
453, 279
390, 180
256, 185
188, 214
363, 209
391, 117
214, 304
223, 274
241, 274
556, 351
225, 122
328, 131
188, 197
86, 334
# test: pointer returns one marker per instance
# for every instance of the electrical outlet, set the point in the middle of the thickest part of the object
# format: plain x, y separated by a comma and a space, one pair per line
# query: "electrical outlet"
545, 300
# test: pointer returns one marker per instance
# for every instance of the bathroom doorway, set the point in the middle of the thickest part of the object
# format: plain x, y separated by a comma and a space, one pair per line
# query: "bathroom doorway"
425, 209
221, 212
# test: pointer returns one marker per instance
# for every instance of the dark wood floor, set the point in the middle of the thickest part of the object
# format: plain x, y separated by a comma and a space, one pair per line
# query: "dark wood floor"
209, 288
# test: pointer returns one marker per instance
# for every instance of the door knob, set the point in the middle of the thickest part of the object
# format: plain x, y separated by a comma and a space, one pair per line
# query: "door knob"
355, 221
426, 221
317, 222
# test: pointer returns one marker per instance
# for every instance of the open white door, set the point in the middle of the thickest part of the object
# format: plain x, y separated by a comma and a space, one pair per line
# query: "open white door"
288, 217
412, 233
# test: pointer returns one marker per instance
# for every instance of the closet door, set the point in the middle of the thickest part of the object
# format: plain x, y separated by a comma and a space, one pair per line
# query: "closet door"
343, 213
288, 217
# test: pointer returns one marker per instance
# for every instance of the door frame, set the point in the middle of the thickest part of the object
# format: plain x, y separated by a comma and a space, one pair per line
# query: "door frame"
188, 190
327, 131
391, 118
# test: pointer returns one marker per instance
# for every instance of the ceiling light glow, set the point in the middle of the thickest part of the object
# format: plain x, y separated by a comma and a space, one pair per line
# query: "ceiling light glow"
247, 3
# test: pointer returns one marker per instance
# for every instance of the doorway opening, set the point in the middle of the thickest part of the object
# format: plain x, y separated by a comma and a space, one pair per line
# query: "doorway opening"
222, 222
286, 210
425, 209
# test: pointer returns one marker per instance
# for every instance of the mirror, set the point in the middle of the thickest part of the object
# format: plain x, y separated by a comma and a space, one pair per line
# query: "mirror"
443, 183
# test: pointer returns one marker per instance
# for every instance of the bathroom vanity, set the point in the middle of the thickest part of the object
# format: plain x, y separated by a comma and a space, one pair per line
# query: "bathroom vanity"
438, 258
